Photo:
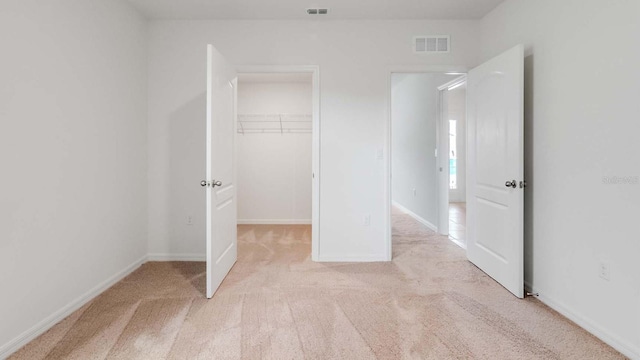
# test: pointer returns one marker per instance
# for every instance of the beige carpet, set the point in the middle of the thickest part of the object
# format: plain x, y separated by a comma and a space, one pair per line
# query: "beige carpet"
429, 303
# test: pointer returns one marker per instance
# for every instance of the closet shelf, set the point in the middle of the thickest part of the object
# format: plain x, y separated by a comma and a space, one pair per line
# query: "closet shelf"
274, 123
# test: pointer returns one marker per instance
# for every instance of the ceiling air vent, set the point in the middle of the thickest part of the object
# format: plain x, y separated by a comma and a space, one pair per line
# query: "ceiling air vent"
317, 11
431, 44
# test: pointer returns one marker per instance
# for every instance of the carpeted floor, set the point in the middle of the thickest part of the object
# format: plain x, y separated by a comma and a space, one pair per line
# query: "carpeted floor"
429, 303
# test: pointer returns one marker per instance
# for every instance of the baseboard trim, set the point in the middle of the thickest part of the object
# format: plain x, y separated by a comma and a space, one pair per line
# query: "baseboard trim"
458, 242
274, 221
177, 257
629, 350
40, 328
352, 258
415, 216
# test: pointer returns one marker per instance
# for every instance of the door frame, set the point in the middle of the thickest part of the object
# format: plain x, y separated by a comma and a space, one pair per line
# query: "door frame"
443, 148
314, 70
405, 69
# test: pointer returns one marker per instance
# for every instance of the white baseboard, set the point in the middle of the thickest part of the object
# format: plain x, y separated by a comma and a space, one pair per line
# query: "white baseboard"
458, 242
177, 257
415, 216
627, 349
352, 258
274, 221
51, 320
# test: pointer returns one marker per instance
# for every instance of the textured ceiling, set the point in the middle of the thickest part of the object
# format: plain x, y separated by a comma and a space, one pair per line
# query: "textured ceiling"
296, 9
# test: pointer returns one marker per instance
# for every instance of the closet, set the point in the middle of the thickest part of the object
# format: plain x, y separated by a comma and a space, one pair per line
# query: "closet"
274, 134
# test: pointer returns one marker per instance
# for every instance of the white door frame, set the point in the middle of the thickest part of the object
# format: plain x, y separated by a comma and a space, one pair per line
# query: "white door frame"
443, 148
314, 70
406, 69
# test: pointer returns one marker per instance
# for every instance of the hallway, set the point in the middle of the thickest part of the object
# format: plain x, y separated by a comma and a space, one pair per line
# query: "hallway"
458, 222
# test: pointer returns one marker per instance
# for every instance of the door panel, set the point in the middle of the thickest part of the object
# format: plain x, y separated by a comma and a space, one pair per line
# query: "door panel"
495, 155
221, 238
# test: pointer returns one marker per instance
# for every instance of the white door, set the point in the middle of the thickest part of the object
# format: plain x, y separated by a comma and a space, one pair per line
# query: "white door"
495, 155
222, 250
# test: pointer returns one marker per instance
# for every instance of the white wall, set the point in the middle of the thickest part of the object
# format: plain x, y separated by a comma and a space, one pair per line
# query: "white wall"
581, 124
73, 153
354, 59
274, 170
457, 104
414, 118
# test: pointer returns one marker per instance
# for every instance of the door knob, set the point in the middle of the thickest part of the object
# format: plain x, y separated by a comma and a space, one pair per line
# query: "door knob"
219, 183
204, 183
511, 184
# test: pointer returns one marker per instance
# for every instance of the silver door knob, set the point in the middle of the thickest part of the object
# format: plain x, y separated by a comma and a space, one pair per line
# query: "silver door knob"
204, 183
216, 183
511, 184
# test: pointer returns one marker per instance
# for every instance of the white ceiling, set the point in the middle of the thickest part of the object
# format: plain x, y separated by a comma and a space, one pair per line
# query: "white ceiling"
296, 9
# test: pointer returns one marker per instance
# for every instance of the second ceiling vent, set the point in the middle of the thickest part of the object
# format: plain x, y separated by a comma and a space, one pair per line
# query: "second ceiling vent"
429, 44
317, 11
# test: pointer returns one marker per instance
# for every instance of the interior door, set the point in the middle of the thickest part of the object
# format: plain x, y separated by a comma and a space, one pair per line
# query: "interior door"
222, 249
495, 160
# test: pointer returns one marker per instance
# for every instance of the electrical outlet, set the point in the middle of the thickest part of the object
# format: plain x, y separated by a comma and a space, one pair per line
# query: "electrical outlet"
415, 192
366, 220
189, 220
603, 270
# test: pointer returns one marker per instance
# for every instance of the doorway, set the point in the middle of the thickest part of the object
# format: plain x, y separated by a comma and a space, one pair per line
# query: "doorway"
453, 123
419, 147
221, 180
494, 161
277, 151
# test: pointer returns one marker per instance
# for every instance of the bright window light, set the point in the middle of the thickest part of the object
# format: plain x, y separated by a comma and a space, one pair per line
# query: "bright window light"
453, 154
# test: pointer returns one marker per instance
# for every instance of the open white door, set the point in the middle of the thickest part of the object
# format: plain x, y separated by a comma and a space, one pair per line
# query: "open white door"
495, 160
222, 249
